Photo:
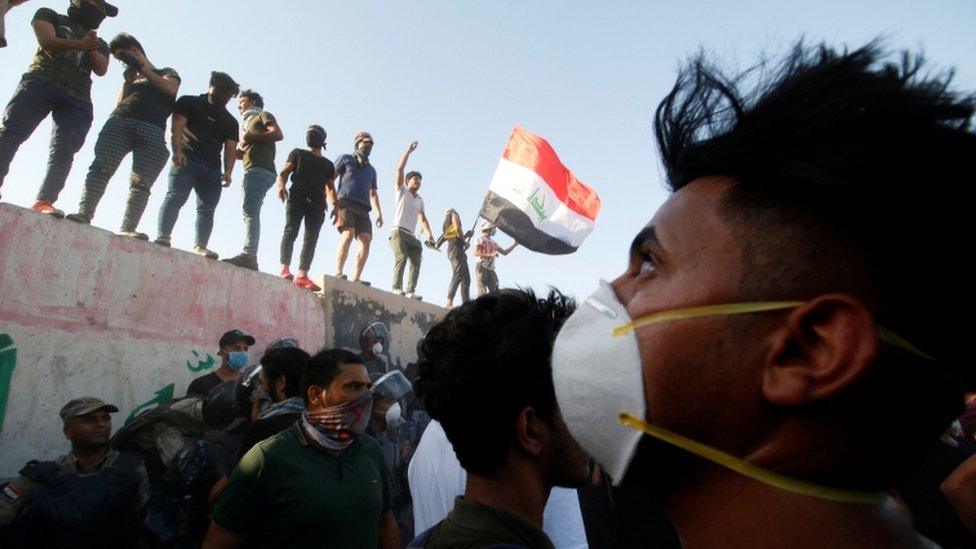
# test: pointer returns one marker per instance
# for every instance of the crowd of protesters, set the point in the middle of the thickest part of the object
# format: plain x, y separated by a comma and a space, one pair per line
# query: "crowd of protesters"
206, 143
773, 368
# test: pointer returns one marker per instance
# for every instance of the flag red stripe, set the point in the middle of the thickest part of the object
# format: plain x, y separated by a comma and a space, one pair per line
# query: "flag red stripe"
535, 153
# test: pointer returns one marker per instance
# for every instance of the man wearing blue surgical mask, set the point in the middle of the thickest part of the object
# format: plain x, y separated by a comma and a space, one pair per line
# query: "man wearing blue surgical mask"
233, 358
791, 288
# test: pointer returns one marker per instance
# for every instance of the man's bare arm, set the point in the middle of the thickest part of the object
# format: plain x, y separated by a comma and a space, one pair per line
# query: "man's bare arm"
403, 163
47, 39
177, 138
230, 156
389, 534
424, 225
374, 197
219, 538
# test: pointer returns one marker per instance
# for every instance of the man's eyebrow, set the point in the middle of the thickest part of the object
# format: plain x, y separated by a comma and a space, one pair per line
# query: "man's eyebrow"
647, 235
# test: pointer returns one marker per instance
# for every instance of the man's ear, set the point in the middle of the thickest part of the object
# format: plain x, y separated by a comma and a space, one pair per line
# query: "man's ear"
528, 432
314, 395
823, 347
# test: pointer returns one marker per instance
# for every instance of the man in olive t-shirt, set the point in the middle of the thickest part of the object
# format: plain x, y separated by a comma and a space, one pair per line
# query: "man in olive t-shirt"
321, 482
261, 132
58, 82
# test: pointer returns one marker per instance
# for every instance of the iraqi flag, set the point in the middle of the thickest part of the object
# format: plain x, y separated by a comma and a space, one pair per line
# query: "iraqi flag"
536, 200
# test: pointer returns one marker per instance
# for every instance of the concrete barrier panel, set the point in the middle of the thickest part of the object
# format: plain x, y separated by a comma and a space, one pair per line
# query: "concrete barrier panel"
86, 312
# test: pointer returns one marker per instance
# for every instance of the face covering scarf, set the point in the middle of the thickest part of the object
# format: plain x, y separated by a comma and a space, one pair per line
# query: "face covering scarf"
336, 427
597, 373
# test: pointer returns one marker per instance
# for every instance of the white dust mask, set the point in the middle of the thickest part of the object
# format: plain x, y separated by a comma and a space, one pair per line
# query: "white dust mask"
596, 376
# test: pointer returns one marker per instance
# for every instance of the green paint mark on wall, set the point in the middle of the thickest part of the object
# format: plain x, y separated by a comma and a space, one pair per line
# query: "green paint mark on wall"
202, 363
163, 396
8, 360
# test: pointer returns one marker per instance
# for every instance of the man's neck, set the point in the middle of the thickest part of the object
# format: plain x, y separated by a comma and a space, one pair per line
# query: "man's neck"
519, 492
88, 458
225, 373
713, 513
315, 150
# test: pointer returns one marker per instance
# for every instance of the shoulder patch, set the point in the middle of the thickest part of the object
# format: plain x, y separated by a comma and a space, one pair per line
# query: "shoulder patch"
10, 492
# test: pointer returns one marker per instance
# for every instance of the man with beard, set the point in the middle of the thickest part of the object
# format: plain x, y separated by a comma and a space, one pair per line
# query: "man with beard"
92, 496
791, 288
58, 82
356, 191
202, 129
485, 375
321, 482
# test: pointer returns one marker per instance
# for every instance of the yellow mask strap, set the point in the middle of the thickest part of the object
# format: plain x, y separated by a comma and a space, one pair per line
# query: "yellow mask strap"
754, 472
722, 309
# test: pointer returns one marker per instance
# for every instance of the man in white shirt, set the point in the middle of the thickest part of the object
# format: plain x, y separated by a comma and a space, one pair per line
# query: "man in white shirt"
409, 209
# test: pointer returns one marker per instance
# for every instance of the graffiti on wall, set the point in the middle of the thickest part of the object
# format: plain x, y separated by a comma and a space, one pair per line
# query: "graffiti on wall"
199, 363
8, 360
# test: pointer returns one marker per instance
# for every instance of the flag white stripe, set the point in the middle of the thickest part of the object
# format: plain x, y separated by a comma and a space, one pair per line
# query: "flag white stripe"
529, 192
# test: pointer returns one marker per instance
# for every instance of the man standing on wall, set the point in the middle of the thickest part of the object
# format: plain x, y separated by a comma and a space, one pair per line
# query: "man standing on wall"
261, 132
233, 358
5, 6
137, 125
58, 82
312, 177
90, 497
356, 189
486, 250
409, 209
201, 128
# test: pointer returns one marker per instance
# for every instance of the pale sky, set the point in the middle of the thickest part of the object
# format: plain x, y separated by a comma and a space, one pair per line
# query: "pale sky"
457, 76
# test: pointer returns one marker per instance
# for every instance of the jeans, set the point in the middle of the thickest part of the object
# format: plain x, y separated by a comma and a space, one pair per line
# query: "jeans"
314, 216
405, 247
257, 181
199, 177
459, 266
33, 100
119, 137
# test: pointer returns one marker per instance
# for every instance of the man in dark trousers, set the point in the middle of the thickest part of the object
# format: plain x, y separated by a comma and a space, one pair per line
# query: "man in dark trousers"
58, 82
312, 186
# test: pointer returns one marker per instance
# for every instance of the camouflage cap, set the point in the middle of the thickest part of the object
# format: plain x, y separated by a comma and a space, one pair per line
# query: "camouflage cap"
85, 405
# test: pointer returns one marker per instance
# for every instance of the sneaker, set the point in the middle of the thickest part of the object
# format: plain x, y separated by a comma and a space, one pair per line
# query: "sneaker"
398, 291
134, 234
286, 273
242, 259
412, 295
162, 241
341, 276
78, 218
45, 207
363, 282
200, 250
306, 282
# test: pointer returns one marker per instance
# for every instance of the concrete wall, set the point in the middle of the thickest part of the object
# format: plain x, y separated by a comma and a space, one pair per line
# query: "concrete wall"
85, 312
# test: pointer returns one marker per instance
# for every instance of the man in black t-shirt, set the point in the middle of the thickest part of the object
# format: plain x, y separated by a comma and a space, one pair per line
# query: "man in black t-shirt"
201, 129
312, 180
58, 82
137, 125
233, 355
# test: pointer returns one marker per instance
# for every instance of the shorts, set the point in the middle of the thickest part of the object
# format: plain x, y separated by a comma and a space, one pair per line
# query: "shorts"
350, 215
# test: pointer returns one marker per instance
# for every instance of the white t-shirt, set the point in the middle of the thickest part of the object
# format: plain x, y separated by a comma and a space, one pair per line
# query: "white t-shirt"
408, 208
436, 478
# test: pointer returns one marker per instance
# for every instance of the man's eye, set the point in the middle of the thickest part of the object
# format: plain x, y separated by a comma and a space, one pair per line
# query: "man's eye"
647, 266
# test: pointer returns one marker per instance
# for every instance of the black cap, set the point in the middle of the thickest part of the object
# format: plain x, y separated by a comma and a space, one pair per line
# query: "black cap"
110, 10
234, 336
